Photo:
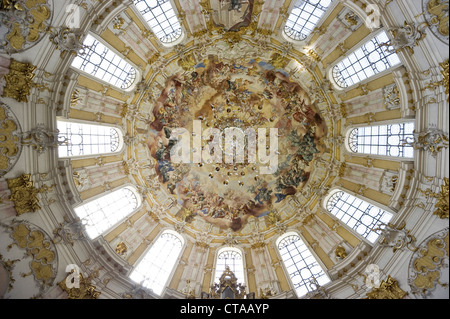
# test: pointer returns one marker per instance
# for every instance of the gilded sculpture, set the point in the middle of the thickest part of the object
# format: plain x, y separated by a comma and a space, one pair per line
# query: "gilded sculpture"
19, 80
428, 263
389, 289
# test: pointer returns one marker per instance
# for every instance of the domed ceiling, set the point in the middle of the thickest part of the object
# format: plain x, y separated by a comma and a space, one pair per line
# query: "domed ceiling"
242, 94
280, 127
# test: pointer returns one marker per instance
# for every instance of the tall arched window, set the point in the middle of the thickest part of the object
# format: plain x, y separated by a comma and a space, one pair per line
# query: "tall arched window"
154, 269
385, 140
304, 17
368, 60
78, 139
358, 214
102, 213
231, 257
161, 18
300, 264
101, 62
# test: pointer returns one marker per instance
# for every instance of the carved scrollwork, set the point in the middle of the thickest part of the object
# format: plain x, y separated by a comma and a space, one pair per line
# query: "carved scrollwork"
39, 247
428, 263
25, 23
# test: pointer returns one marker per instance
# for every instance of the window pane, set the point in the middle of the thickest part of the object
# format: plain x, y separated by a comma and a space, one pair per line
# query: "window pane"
78, 139
365, 217
154, 269
305, 267
98, 60
386, 140
371, 56
233, 259
304, 17
101, 214
161, 18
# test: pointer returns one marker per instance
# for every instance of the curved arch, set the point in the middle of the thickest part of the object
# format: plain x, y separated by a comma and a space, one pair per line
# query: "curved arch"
382, 140
102, 213
232, 257
162, 19
359, 215
77, 138
98, 60
364, 62
154, 269
301, 265
304, 17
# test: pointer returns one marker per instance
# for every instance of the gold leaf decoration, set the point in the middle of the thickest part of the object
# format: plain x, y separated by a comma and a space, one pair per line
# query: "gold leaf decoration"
23, 194
26, 22
388, 289
9, 140
19, 81
37, 245
85, 291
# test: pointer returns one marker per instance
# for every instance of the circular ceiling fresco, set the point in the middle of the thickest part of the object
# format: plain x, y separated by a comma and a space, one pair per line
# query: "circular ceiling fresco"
226, 179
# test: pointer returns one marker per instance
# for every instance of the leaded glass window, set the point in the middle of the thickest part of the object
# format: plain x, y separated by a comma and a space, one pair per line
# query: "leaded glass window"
154, 269
232, 258
161, 18
366, 61
101, 214
386, 140
304, 17
101, 62
77, 139
362, 217
302, 267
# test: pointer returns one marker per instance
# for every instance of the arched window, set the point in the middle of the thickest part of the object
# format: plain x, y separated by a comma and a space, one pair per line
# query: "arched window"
385, 140
161, 18
368, 60
99, 61
102, 213
358, 214
300, 264
154, 269
231, 257
304, 17
78, 139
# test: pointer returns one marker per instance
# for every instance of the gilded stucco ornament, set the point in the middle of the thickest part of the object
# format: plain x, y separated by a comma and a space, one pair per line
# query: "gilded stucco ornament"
442, 205
25, 23
86, 289
39, 247
388, 289
428, 264
24, 194
340, 252
10, 147
19, 81
121, 248
436, 15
